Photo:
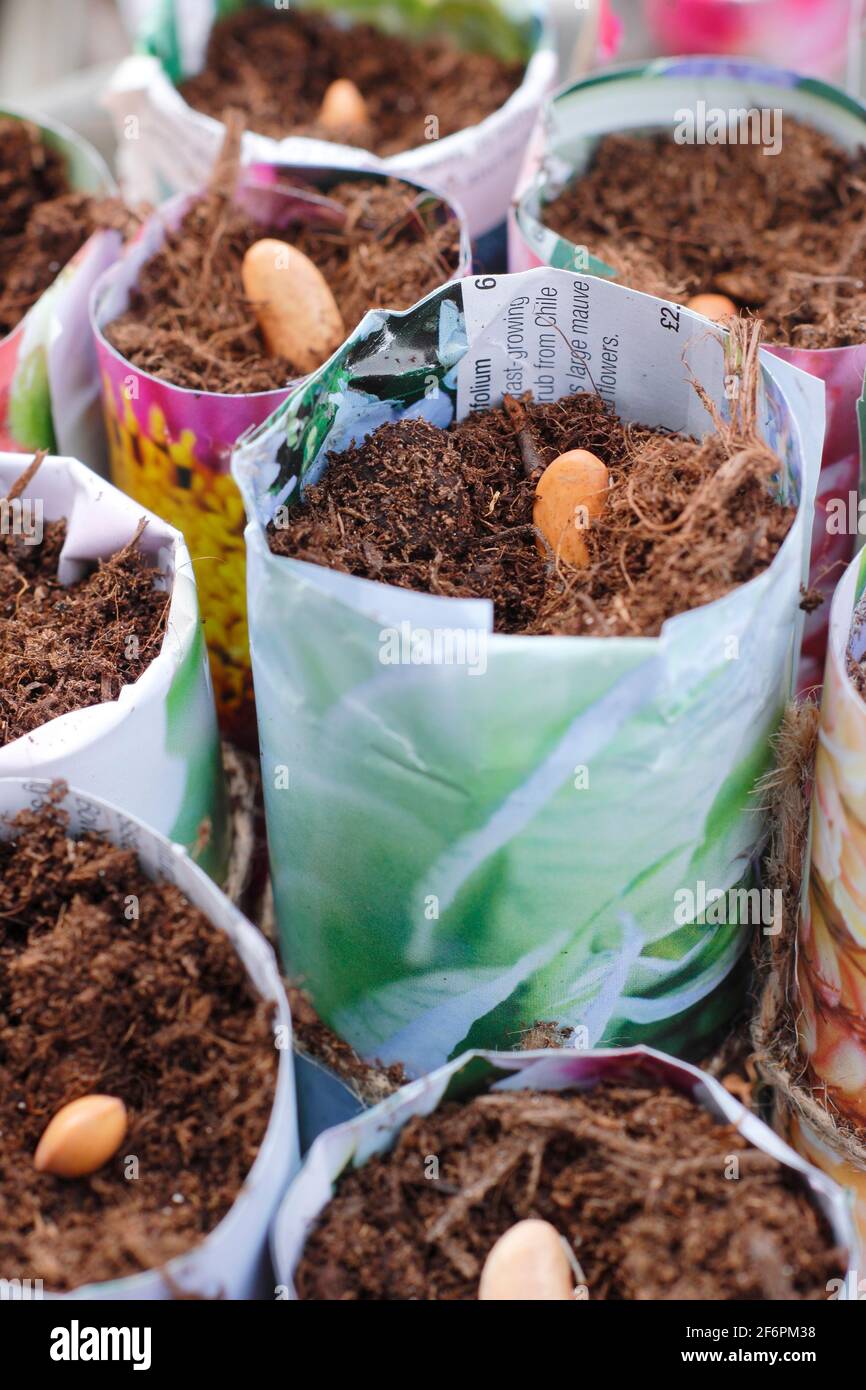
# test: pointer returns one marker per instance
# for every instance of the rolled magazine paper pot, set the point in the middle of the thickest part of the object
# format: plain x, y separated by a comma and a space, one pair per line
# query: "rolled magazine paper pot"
49, 381
831, 954
823, 1153
459, 851
155, 749
232, 1261
374, 1132
648, 97
477, 167
829, 1007
170, 447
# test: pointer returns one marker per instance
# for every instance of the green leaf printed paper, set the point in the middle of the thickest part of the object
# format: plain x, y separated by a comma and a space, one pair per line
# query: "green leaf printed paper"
462, 850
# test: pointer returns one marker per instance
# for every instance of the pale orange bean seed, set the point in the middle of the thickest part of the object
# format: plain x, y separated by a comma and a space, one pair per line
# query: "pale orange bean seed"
570, 494
712, 306
343, 106
296, 311
527, 1264
82, 1136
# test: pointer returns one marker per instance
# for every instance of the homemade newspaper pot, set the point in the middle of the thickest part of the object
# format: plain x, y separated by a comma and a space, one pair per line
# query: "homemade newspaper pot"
832, 1159
831, 955
170, 447
646, 98
374, 1132
819, 1105
232, 1261
459, 851
176, 145
154, 750
49, 384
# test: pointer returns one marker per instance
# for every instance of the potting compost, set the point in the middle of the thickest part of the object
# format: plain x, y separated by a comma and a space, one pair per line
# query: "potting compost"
450, 512
151, 1007
43, 222
633, 1177
782, 235
64, 647
277, 68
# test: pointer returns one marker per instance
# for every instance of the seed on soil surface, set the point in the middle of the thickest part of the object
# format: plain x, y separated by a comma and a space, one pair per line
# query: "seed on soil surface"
343, 107
571, 491
296, 311
527, 1264
81, 1137
712, 306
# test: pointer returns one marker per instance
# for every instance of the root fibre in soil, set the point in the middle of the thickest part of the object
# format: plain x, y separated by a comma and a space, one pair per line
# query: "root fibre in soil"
450, 512
156, 1010
276, 68
189, 321
634, 1178
63, 648
783, 236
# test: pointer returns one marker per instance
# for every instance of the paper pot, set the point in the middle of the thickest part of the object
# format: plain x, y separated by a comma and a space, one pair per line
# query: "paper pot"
831, 944
155, 749
820, 1079
49, 384
232, 1261
819, 1150
175, 145
645, 98
170, 448
376, 1130
440, 881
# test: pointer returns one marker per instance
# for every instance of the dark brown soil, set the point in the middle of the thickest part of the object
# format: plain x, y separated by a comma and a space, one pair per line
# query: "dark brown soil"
275, 68
635, 1178
450, 512
42, 222
315, 1039
64, 648
190, 323
782, 235
157, 1011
